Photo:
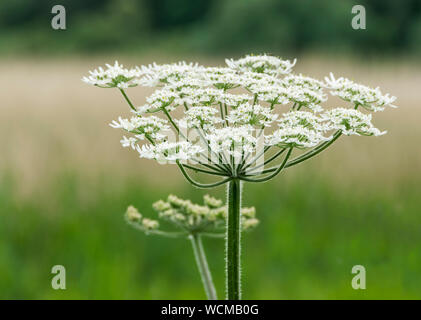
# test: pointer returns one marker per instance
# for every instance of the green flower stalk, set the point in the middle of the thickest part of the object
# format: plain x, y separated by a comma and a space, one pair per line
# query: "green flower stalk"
193, 222
238, 123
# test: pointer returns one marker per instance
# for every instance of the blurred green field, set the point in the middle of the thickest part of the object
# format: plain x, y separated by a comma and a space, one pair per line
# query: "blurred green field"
65, 183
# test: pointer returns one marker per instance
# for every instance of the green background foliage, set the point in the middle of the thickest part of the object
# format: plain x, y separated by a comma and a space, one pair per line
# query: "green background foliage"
210, 26
312, 233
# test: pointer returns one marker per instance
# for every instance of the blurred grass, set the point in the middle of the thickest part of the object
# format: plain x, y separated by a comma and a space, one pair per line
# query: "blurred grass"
311, 235
65, 183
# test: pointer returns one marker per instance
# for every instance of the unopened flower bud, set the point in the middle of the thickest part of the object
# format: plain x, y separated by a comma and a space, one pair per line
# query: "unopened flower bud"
167, 214
197, 210
248, 212
250, 223
179, 217
212, 202
161, 206
150, 224
133, 214
176, 202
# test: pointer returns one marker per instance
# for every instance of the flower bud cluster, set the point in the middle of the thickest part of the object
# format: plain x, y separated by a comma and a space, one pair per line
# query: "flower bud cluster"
189, 217
133, 216
193, 217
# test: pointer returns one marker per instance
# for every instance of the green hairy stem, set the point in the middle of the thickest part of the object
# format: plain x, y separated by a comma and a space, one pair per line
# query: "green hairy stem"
233, 241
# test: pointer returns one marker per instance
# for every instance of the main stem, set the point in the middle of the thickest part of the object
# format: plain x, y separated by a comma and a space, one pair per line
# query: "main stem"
202, 264
233, 241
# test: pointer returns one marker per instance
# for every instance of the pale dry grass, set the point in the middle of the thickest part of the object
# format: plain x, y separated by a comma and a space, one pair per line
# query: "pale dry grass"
52, 122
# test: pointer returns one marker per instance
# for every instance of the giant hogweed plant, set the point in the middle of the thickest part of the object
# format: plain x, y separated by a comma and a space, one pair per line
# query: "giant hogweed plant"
239, 123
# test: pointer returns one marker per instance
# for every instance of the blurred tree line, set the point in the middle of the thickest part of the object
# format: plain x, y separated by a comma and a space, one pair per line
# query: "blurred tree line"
212, 26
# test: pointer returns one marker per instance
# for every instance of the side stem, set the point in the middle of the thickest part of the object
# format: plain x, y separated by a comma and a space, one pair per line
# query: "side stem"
203, 267
233, 241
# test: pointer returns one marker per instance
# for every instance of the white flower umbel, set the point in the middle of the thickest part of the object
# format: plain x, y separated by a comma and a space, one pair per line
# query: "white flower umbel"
351, 122
150, 127
358, 94
304, 92
154, 75
251, 114
191, 221
169, 151
241, 122
262, 64
298, 137
299, 129
232, 141
113, 76
204, 118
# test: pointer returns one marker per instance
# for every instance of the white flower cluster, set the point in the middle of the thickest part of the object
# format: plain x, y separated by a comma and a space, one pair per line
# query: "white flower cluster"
114, 76
249, 114
351, 121
262, 64
305, 91
300, 129
298, 137
154, 75
201, 118
152, 128
169, 151
235, 141
190, 217
228, 106
358, 94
